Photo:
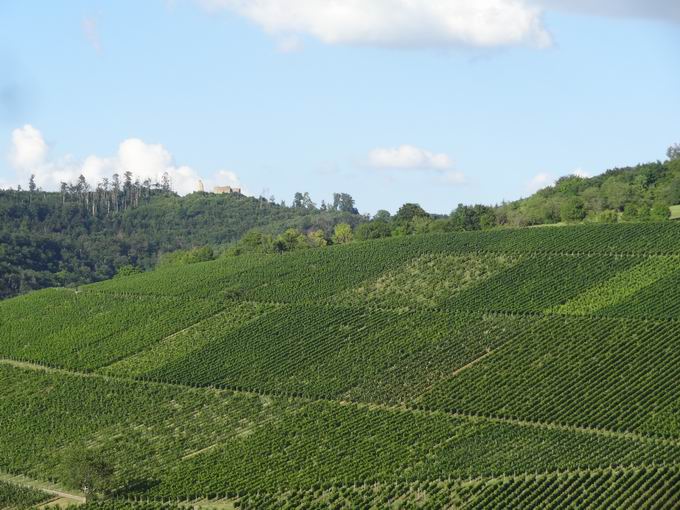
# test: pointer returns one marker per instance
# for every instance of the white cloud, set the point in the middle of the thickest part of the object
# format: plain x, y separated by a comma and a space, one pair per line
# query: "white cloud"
91, 32
579, 172
29, 155
409, 157
29, 149
397, 23
540, 181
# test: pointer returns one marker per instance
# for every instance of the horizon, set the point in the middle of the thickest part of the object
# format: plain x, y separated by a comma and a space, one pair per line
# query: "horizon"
277, 102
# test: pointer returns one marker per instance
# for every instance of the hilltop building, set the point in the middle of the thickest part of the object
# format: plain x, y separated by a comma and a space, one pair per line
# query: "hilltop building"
217, 190
221, 190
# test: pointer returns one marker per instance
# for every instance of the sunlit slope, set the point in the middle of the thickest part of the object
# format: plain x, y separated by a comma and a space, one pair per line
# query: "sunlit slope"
472, 370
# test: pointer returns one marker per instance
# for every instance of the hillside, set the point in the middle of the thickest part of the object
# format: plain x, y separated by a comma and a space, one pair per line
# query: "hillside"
499, 369
640, 193
82, 235
69, 238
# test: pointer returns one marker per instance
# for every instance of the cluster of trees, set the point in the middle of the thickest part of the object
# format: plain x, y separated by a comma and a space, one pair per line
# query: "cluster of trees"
342, 202
109, 195
86, 233
410, 219
292, 239
633, 194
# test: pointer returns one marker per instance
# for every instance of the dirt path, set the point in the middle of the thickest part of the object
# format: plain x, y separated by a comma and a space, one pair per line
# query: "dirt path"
71, 498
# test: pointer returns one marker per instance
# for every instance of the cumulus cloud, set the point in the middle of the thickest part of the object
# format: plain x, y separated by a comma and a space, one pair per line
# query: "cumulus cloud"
28, 148
409, 157
29, 154
397, 23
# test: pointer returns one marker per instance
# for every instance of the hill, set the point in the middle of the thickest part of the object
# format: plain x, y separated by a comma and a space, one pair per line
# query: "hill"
640, 193
79, 235
499, 369
82, 235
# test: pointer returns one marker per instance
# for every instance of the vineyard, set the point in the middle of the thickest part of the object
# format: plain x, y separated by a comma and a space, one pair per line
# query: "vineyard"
500, 369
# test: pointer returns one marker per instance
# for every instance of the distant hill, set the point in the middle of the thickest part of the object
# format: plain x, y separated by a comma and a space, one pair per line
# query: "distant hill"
80, 236
639, 193
512, 368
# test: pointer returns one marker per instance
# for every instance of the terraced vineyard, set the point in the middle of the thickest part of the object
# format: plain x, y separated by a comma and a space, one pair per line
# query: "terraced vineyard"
504, 369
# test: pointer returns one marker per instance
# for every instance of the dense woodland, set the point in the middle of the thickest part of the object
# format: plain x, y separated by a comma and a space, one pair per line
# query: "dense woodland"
86, 233
83, 233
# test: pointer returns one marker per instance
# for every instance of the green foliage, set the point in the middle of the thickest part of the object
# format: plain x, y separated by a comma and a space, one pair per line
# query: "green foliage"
572, 209
475, 217
14, 497
192, 256
127, 270
409, 211
90, 330
618, 288
78, 236
548, 376
89, 471
499, 368
373, 230
428, 280
602, 489
634, 191
342, 234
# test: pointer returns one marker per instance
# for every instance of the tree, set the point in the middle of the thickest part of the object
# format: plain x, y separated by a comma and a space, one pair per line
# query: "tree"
382, 215
659, 212
31, 183
166, 184
572, 209
307, 202
616, 193
199, 254
672, 193
317, 238
409, 211
344, 202
673, 152
291, 239
342, 233
88, 471
607, 216
373, 230
630, 212
474, 217
63, 189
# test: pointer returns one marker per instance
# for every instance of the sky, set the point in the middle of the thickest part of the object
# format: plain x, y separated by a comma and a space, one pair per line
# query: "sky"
437, 102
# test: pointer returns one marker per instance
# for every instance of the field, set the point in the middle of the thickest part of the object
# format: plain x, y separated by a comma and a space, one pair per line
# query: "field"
502, 369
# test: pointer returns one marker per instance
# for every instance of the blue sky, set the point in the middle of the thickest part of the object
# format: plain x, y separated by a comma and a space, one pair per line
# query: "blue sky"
391, 106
